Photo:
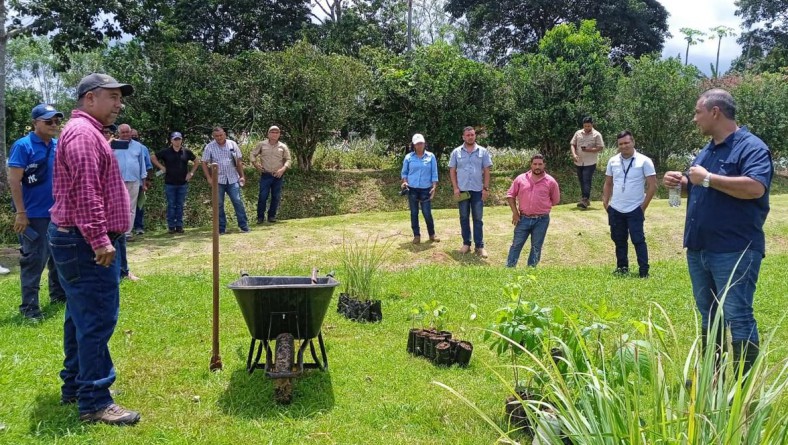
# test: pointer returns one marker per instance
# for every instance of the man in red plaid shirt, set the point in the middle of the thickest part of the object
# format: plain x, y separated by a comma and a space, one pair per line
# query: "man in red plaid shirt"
91, 212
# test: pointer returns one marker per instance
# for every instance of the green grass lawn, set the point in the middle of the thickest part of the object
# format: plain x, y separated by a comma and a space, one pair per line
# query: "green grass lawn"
374, 392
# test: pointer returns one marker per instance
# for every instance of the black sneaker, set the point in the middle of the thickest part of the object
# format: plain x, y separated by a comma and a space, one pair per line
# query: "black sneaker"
272, 220
260, 220
170, 231
643, 274
179, 230
621, 271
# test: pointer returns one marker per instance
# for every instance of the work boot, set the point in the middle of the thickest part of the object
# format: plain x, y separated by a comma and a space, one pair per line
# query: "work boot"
481, 251
465, 249
582, 204
112, 415
434, 239
586, 203
416, 240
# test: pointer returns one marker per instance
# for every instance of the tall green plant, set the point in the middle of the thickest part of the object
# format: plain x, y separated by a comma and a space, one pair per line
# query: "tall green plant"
361, 262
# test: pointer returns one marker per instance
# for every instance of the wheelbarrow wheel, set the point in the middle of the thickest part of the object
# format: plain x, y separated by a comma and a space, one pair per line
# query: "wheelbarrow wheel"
283, 362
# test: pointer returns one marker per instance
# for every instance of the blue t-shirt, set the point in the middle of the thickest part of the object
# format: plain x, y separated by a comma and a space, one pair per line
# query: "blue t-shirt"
470, 167
32, 150
420, 172
718, 222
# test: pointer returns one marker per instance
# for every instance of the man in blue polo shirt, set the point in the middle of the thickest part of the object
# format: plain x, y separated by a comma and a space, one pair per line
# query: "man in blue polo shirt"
30, 167
728, 189
469, 170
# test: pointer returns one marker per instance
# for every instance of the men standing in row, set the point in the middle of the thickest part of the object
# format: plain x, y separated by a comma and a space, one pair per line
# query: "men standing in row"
630, 183
30, 167
174, 162
469, 170
91, 212
728, 201
227, 155
586, 145
271, 158
531, 197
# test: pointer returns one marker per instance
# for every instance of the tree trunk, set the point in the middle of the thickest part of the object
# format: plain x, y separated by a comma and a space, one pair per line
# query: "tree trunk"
304, 161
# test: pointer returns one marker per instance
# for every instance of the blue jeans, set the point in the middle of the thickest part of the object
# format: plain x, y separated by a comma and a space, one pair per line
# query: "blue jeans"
472, 207
710, 273
34, 257
176, 197
420, 197
273, 185
138, 217
628, 225
537, 229
92, 304
585, 174
234, 191
120, 254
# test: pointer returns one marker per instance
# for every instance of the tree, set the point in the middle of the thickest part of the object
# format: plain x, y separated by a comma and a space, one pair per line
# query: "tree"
720, 32
306, 93
345, 26
762, 105
765, 43
693, 37
634, 27
656, 101
549, 92
433, 90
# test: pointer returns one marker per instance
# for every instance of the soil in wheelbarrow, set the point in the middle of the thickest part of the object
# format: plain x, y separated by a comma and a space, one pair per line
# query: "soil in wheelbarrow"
359, 310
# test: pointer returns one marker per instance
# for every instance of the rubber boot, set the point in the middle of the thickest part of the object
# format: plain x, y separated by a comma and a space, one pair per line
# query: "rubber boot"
744, 355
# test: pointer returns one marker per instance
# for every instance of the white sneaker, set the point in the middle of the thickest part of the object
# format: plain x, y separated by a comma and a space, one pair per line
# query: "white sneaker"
4, 271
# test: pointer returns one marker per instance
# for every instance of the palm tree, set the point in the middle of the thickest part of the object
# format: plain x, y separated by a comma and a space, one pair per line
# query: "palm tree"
693, 37
720, 31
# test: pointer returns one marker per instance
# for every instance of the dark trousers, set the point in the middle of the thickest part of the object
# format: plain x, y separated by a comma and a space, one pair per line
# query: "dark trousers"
628, 225
585, 174
269, 184
138, 217
92, 303
34, 257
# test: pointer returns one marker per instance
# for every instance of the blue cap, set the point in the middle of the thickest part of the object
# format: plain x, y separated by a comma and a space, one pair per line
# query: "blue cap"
176, 135
44, 111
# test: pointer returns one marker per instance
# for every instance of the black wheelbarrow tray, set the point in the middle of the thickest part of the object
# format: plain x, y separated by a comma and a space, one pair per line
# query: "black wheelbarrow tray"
284, 309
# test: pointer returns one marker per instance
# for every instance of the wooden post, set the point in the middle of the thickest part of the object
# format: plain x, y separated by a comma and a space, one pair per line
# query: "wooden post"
216, 359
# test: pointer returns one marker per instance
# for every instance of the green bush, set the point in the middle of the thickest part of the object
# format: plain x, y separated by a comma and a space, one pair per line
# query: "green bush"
762, 102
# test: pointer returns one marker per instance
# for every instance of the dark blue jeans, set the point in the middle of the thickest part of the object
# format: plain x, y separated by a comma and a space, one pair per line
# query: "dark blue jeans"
628, 225
92, 304
176, 197
537, 229
269, 184
34, 257
420, 197
140, 215
472, 207
585, 174
123, 261
234, 191
710, 273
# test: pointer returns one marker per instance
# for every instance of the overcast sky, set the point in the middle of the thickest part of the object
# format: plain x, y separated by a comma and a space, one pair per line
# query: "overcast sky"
702, 15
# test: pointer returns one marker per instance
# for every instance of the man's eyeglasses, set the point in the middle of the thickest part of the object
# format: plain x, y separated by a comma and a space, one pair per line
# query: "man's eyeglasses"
51, 121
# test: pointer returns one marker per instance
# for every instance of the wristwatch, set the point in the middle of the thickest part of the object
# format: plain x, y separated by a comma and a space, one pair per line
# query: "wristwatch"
706, 180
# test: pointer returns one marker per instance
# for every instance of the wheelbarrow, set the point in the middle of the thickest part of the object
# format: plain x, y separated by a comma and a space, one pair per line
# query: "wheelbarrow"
283, 310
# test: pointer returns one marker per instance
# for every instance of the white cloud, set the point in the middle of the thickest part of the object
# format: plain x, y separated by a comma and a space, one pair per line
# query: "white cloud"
702, 15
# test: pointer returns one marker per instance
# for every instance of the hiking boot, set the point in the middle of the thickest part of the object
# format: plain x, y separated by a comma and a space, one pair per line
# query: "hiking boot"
112, 415
586, 203
179, 230
416, 240
434, 239
621, 271
272, 220
581, 204
465, 249
260, 220
481, 251
170, 231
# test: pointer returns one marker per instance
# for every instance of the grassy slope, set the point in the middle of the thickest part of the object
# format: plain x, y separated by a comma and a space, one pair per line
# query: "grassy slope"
375, 392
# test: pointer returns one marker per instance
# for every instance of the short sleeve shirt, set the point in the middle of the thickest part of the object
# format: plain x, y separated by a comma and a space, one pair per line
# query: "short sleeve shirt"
176, 163
589, 140
629, 180
27, 152
224, 155
470, 167
718, 222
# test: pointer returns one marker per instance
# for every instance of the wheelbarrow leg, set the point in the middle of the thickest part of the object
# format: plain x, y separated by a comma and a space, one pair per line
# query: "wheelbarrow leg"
250, 364
324, 365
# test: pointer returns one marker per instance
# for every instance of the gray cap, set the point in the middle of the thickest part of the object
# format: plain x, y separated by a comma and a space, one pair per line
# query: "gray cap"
98, 80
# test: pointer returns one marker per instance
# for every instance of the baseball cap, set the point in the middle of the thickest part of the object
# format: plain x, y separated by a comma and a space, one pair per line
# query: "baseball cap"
44, 111
98, 80
176, 135
417, 138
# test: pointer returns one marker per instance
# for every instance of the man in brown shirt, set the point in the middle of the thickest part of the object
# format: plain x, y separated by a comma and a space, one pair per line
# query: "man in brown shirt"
586, 145
271, 158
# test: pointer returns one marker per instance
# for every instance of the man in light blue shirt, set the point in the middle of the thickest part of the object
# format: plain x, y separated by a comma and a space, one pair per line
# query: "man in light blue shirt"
420, 178
630, 183
132, 168
469, 170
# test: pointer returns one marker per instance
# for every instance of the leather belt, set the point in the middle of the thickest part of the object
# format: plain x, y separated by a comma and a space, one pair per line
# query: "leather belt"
535, 216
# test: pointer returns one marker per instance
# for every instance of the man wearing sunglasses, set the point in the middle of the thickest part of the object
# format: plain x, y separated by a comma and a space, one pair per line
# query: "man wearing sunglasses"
30, 167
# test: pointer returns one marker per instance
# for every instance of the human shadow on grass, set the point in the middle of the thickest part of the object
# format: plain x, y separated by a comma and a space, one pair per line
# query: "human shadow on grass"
50, 312
417, 247
251, 396
52, 420
467, 258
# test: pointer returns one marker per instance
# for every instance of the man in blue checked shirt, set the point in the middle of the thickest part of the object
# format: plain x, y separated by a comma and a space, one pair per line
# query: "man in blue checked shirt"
420, 178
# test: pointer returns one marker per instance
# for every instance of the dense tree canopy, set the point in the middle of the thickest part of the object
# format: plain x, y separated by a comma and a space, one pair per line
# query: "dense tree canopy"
765, 44
634, 27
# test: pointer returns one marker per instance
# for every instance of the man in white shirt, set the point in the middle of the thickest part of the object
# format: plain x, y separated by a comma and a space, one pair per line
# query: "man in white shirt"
630, 183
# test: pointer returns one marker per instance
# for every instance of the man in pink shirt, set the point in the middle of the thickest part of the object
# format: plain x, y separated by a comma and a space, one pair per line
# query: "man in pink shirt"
91, 212
531, 197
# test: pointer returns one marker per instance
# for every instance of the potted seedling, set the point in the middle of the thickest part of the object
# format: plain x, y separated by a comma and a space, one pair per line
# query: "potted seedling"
361, 263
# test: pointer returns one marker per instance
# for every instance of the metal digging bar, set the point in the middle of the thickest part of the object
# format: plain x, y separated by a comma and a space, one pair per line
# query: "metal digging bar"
216, 358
